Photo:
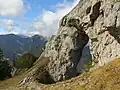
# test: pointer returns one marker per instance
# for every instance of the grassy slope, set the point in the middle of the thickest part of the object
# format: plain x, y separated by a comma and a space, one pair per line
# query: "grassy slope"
104, 78
10, 83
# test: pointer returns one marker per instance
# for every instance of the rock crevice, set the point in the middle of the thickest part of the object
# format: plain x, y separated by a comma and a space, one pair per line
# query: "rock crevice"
91, 20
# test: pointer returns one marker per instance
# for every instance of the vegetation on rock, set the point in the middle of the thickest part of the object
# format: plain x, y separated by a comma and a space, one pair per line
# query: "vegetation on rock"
25, 61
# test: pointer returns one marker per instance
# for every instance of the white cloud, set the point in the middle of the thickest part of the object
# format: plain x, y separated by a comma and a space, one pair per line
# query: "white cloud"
9, 28
47, 23
6, 32
11, 8
8, 24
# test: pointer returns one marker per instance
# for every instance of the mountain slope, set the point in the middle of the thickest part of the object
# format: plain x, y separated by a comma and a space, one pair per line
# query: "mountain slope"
17, 44
97, 21
104, 78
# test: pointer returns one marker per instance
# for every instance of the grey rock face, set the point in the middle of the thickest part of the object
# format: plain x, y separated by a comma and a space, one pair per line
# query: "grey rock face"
102, 25
85, 58
97, 20
65, 50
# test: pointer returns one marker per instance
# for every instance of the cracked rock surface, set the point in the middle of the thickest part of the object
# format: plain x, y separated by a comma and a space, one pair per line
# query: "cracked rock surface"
94, 20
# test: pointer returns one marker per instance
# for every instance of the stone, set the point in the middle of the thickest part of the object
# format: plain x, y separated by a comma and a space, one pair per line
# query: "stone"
97, 21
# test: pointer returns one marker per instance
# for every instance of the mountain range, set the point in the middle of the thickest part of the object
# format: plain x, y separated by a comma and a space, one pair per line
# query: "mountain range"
13, 45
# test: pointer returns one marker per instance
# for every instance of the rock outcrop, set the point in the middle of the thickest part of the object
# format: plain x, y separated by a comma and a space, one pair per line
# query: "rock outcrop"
102, 25
62, 54
94, 20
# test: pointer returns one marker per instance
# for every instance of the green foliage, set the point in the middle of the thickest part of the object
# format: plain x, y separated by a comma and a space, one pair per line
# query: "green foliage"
1, 54
25, 61
5, 68
88, 66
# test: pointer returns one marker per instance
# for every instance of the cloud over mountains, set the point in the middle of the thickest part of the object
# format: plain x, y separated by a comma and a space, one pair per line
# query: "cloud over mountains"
46, 23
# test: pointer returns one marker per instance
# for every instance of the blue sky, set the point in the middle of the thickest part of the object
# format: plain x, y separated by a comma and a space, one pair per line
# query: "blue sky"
38, 5
31, 17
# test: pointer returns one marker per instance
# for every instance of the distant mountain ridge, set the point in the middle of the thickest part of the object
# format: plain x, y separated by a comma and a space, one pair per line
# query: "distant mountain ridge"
12, 44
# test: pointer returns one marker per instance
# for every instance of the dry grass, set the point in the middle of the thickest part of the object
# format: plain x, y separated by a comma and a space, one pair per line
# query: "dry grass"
10, 83
104, 78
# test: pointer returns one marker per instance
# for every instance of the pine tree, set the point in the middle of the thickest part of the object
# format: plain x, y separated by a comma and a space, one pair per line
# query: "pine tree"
5, 68
1, 54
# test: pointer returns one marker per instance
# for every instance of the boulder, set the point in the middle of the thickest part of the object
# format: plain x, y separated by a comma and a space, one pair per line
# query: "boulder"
97, 21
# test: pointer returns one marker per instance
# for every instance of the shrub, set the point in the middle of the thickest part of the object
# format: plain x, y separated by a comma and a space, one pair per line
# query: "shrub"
5, 68
88, 66
25, 61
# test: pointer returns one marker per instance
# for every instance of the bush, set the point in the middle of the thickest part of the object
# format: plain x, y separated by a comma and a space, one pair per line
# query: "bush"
88, 66
5, 68
25, 61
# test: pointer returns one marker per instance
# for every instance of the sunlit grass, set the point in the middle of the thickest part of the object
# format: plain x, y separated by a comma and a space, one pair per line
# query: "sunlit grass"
103, 78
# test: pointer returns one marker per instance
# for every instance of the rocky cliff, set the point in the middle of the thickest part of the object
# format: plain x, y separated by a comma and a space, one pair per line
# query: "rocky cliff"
93, 21
101, 22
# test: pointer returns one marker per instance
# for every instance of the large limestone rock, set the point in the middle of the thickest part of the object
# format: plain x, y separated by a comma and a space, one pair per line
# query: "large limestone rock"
97, 20
65, 50
62, 54
101, 19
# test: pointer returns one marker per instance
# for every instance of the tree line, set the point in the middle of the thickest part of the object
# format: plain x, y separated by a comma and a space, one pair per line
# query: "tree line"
22, 62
